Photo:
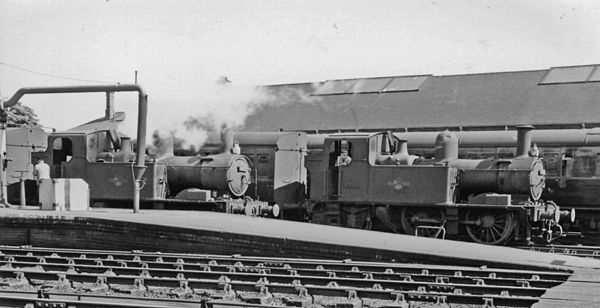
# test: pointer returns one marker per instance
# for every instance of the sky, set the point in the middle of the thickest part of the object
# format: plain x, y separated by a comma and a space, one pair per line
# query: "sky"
182, 48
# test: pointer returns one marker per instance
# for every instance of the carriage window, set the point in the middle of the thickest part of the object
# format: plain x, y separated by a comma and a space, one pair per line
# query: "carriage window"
473, 155
506, 153
584, 164
263, 158
552, 163
567, 164
486, 155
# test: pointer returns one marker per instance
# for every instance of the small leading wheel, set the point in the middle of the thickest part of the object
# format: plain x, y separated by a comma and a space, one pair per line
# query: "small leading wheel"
428, 221
490, 226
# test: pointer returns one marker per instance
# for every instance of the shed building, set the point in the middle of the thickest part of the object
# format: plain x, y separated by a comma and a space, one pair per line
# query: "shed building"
559, 96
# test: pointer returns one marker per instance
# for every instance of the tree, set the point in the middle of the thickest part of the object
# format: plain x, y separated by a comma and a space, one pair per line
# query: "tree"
20, 114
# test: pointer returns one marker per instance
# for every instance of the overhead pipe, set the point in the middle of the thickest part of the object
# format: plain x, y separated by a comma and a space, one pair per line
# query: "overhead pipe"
141, 125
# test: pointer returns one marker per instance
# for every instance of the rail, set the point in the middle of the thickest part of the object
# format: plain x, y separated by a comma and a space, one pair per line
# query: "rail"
91, 278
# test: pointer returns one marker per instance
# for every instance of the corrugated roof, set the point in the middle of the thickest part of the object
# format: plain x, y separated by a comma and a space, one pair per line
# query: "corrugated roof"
509, 98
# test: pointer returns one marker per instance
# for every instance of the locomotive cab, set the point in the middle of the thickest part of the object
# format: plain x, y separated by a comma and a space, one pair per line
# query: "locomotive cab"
90, 155
379, 172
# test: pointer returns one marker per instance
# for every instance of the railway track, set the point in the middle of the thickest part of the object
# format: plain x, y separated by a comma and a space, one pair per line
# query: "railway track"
572, 250
88, 278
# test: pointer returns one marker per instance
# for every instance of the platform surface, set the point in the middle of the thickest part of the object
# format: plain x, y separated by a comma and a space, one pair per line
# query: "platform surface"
581, 290
287, 232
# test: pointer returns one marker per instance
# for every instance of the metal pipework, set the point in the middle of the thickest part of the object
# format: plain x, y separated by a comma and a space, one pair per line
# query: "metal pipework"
141, 125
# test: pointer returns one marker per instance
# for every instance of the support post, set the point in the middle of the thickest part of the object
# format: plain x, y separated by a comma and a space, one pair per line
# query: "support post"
136, 196
22, 191
138, 184
3, 158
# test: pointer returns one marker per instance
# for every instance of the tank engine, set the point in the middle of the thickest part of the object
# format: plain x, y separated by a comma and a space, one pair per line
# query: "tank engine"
105, 161
490, 201
571, 157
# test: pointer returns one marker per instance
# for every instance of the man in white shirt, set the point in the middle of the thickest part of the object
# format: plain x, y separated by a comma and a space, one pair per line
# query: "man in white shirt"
41, 171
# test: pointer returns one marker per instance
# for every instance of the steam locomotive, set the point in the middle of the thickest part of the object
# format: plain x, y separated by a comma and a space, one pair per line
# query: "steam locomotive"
214, 182
105, 160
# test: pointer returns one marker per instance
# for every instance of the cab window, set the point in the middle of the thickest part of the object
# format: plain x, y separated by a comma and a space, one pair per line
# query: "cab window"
62, 150
336, 148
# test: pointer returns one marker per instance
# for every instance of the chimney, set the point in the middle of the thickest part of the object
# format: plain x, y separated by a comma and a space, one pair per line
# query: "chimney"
523, 140
226, 140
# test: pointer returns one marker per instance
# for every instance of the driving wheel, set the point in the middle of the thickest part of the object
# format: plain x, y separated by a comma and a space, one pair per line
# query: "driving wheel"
427, 222
490, 226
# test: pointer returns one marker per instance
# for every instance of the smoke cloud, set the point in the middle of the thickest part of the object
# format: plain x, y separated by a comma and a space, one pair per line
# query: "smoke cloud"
226, 106
210, 107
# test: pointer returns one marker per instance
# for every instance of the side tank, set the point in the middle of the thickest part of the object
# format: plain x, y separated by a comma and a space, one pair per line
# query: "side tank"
227, 173
523, 175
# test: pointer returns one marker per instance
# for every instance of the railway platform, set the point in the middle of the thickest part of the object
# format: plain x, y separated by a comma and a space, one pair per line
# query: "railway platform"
217, 233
